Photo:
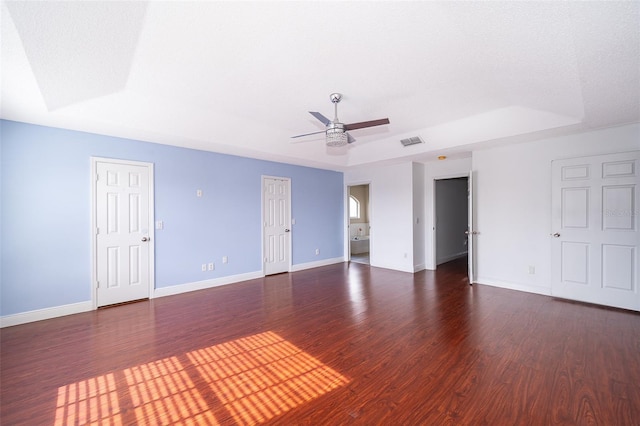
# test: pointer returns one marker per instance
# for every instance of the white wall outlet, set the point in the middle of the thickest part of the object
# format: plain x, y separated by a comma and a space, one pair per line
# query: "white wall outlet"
198, 192
204, 267
225, 259
159, 224
532, 269
317, 252
212, 266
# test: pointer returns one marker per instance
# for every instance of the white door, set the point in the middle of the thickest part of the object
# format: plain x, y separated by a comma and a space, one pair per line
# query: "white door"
471, 232
277, 224
123, 241
595, 235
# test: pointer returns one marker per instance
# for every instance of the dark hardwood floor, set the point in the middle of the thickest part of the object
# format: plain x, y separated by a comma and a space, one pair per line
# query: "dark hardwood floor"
341, 344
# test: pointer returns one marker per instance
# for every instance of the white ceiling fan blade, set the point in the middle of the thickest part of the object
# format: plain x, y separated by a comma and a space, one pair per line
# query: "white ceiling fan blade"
307, 134
320, 117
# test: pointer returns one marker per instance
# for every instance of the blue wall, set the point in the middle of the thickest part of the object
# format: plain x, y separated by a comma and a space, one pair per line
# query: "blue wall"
45, 202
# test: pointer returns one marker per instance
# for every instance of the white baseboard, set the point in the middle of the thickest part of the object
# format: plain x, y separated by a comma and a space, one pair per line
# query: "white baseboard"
201, 285
44, 314
309, 265
546, 291
76, 308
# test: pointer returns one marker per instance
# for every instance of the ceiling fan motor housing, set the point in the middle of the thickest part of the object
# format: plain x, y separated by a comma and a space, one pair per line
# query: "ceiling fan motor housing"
336, 135
336, 132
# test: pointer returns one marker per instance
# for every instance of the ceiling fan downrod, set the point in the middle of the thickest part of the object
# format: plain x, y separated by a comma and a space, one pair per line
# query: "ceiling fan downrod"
335, 98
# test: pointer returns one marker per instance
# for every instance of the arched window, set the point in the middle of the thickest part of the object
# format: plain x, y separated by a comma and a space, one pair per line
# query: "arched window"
354, 207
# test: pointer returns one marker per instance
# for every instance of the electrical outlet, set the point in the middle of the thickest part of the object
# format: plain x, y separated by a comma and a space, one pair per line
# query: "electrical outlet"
317, 252
225, 259
198, 192
532, 269
212, 266
204, 267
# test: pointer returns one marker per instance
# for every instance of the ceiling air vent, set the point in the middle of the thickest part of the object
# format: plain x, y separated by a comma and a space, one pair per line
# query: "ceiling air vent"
411, 141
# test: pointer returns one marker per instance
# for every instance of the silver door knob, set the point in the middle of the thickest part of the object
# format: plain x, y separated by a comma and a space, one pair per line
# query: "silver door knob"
145, 239
556, 235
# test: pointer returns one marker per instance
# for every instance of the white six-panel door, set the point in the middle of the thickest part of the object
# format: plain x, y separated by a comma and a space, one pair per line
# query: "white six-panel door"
277, 223
123, 240
595, 234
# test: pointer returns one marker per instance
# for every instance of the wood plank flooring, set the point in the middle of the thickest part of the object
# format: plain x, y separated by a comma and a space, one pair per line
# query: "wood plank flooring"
341, 344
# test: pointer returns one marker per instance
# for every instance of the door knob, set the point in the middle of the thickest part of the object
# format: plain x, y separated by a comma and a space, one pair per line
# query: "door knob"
145, 239
287, 230
556, 235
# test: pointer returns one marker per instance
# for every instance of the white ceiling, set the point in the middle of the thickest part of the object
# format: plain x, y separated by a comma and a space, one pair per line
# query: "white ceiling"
240, 77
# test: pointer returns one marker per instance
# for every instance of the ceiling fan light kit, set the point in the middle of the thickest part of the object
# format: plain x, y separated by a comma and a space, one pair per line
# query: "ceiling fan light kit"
336, 136
336, 132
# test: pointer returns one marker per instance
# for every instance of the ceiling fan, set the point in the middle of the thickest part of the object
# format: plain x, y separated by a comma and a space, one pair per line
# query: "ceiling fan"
336, 132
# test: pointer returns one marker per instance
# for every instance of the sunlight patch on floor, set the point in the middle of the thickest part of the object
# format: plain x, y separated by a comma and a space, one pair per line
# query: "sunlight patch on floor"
253, 379
262, 376
162, 390
88, 401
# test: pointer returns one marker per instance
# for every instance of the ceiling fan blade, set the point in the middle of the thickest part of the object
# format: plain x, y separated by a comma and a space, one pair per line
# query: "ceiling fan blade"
350, 139
363, 124
307, 134
320, 117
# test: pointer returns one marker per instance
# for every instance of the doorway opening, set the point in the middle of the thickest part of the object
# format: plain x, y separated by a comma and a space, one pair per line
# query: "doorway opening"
359, 224
451, 220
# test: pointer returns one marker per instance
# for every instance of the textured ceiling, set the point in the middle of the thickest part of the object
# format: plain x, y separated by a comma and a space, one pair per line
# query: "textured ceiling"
239, 77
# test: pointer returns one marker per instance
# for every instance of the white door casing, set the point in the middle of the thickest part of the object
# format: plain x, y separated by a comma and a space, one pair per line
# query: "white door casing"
595, 234
276, 214
347, 219
123, 235
471, 231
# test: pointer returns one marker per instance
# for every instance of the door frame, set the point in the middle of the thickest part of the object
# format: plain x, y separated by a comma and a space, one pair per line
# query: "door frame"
347, 219
291, 221
94, 240
432, 229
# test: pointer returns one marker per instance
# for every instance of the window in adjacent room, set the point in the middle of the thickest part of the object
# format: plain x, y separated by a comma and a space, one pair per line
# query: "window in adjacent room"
354, 207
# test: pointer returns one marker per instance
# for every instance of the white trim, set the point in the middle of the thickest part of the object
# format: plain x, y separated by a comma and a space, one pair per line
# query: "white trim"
316, 264
347, 219
44, 314
546, 291
152, 256
202, 285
